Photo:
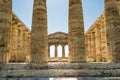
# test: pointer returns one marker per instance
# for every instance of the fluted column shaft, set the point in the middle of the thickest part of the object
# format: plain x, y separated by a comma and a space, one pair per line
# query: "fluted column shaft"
20, 54
39, 34
5, 24
13, 44
112, 22
76, 39
86, 46
25, 45
89, 47
103, 45
98, 44
93, 50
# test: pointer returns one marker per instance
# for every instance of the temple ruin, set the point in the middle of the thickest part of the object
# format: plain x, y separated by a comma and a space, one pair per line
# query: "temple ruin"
92, 55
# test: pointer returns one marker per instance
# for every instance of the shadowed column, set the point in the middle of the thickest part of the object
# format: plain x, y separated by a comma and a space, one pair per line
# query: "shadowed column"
76, 39
39, 34
112, 22
56, 51
5, 24
63, 51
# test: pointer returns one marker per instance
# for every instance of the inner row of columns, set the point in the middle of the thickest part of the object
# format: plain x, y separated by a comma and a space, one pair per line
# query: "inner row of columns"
96, 47
20, 44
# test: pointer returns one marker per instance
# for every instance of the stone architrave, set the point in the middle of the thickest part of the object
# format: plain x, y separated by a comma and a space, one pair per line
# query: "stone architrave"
5, 24
76, 39
112, 22
39, 34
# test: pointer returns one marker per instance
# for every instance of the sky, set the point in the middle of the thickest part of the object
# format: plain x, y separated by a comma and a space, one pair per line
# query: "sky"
58, 13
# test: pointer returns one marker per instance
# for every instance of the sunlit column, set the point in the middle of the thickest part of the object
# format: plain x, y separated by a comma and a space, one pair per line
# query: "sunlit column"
98, 44
13, 45
5, 24
39, 34
86, 46
89, 47
28, 41
76, 37
103, 45
93, 50
19, 56
112, 23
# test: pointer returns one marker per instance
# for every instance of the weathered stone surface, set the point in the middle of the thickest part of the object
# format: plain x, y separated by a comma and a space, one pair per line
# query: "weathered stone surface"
39, 35
65, 78
99, 48
76, 40
60, 70
5, 24
19, 41
15, 45
112, 22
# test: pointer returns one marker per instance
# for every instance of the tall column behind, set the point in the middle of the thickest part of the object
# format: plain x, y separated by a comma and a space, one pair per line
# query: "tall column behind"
5, 24
76, 39
112, 20
39, 34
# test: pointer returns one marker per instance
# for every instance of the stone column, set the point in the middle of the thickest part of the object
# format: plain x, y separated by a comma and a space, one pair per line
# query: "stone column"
13, 45
25, 45
103, 44
112, 22
39, 34
27, 54
86, 46
5, 24
49, 51
56, 51
93, 50
76, 39
89, 48
20, 50
63, 51
98, 44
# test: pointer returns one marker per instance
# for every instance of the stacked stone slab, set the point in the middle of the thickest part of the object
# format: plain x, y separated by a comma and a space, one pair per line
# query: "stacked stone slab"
112, 22
5, 24
76, 32
39, 35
